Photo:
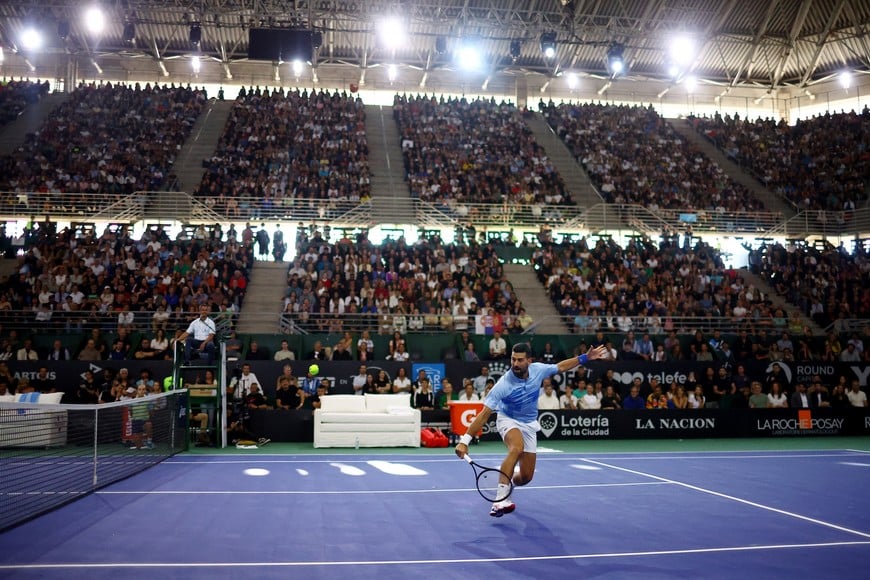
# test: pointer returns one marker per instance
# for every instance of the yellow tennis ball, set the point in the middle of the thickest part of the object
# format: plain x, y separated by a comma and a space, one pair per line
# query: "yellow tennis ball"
314, 369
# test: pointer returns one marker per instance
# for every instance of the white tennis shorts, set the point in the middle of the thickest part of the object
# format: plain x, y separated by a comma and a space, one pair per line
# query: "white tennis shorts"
529, 431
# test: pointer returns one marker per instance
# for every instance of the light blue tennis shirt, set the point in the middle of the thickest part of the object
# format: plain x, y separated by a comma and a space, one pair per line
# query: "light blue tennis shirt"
518, 398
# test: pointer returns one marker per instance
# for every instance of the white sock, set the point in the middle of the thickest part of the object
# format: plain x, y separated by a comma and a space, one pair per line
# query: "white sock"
502, 491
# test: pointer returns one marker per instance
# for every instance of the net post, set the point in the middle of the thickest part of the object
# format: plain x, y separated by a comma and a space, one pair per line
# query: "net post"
96, 441
222, 394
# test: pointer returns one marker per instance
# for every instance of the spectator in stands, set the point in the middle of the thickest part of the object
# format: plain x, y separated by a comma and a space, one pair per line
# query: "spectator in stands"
284, 353
27, 351
468, 394
58, 352
634, 399
88, 391
800, 399
43, 382
591, 400
776, 398
497, 347
287, 396
401, 355
697, 400
365, 347
839, 398
547, 398
446, 395
610, 399
256, 352
359, 380
254, 399
145, 351
402, 384
470, 355
317, 352
424, 398
850, 353
160, 344
857, 397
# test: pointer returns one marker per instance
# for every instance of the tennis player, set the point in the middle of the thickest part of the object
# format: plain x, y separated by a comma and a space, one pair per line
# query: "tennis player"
515, 398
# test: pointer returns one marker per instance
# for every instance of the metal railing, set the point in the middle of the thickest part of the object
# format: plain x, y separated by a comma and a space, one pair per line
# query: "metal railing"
26, 322
184, 208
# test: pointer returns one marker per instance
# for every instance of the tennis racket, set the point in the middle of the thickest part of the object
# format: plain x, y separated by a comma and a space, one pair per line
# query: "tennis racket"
487, 480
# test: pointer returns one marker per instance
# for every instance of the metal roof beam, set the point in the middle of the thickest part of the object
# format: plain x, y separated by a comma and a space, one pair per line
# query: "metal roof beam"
820, 44
756, 44
796, 28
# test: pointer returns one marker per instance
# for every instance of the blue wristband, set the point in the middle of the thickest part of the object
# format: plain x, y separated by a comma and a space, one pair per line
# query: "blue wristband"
582, 359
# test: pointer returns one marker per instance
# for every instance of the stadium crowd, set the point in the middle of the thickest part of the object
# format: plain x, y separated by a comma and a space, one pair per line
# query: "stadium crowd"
633, 156
105, 139
15, 96
820, 163
457, 151
281, 148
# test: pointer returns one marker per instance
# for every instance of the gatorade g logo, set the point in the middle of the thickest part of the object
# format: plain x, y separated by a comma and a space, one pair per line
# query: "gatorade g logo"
468, 416
548, 423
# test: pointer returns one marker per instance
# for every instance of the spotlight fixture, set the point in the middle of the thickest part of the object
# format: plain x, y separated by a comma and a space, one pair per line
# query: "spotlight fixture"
440, 45
129, 34
548, 44
615, 62
516, 48
63, 29
195, 33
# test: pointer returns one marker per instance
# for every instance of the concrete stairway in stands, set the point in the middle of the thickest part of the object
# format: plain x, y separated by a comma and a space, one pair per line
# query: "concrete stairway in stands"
29, 121
770, 200
576, 179
264, 297
201, 144
534, 298
391, 200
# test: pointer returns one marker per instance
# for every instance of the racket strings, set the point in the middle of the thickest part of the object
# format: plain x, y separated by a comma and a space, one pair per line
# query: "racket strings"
488, 485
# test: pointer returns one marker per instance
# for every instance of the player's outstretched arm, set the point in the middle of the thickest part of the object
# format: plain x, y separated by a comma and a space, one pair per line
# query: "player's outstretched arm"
599, 352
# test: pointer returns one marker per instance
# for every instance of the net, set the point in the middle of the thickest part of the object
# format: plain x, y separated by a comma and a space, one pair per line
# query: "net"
53, 454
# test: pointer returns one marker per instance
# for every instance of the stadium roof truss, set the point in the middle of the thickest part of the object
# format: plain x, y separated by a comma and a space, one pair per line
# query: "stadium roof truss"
737, 43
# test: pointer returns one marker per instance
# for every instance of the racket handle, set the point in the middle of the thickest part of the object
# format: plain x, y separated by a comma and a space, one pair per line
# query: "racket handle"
467, 458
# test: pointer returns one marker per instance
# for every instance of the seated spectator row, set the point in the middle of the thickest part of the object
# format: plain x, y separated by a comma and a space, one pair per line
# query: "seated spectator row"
645, 286
111, 139
16, 95
398, 287
820, 163
633, 156
115, 282
278, 147
826, 283
455, 150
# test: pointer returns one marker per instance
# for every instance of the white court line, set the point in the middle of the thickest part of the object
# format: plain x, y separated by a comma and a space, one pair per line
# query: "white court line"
733, 498
857, 451
359, 491
574, 457
422, 562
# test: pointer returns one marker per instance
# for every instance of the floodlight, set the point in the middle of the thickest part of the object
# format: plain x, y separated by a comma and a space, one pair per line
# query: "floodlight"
548, 44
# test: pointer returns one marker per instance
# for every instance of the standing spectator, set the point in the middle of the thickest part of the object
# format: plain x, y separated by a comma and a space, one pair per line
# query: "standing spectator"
359, 380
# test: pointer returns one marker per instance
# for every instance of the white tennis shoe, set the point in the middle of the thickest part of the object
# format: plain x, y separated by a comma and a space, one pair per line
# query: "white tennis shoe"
501, 508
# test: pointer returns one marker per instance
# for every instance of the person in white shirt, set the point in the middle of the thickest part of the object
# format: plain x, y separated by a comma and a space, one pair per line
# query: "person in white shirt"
468, 395
567, 400
243, 383
402, 384
548, 400
497, 347
591, 400
199, 336
284, 353
360, 380
856, 396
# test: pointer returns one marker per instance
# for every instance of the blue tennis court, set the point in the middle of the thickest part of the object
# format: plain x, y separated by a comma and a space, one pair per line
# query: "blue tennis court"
712, 514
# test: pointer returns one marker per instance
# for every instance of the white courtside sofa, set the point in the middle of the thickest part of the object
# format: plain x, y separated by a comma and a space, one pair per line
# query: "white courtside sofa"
366, 421
33, 427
